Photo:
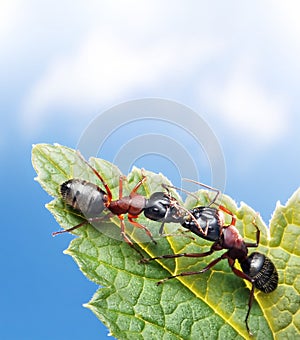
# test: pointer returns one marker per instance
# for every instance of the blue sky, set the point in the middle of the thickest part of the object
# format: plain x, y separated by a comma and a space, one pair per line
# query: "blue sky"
63, 63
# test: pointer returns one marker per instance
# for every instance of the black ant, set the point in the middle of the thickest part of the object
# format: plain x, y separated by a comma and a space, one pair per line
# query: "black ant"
256, 268
162, 206
90, 200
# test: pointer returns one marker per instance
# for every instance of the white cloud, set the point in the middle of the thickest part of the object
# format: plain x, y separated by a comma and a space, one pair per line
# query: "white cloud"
285, 20
105, 68
132, 49
10, 13
246, 107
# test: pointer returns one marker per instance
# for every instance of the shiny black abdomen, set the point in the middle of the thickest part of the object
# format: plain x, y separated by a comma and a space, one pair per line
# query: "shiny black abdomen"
83, 196
262, 270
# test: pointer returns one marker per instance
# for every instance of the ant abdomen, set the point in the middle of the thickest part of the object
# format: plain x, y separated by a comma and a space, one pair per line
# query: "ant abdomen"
83, 196
262, 270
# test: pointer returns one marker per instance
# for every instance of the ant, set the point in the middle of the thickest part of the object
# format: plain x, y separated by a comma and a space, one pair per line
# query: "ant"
90, 200
162, 206
203, 221
258, 269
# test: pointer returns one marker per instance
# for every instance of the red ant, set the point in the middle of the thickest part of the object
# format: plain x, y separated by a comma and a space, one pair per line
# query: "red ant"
90, 200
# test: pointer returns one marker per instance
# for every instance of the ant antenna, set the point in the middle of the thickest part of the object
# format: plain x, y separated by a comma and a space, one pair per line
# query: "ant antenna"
218, 192
167, 186
109, 194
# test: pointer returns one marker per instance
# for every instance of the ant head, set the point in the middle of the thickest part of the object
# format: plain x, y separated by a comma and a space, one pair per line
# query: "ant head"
204, 222
162, 207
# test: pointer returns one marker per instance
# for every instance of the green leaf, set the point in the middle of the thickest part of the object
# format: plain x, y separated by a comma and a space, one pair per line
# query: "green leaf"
207, 306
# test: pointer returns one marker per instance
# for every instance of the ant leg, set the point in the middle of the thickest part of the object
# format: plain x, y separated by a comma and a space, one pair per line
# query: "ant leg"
186, 211
121, 186
213, 263
130, 217
180, 234
109, 194
140, 182
70, 229
250, 302
244, 276
134, 190
161, 229
227, 211
173, 256
182, 211
251, 296
138, 225
90, 220
257, 236
126, 238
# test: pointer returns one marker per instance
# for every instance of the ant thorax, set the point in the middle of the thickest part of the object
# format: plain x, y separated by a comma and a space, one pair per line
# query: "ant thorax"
232, 238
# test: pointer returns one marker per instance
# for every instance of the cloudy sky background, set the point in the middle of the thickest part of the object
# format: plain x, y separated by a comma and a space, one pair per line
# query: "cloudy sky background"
63, 63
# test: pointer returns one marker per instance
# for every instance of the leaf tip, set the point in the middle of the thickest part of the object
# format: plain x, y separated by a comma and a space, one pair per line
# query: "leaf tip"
86, 305
89, 306
67, 252
135, 168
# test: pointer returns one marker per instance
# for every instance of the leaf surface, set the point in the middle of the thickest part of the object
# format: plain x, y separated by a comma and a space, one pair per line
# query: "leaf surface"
212, 305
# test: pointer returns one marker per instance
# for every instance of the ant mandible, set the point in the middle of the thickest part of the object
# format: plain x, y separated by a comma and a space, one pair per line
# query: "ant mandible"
257, 268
